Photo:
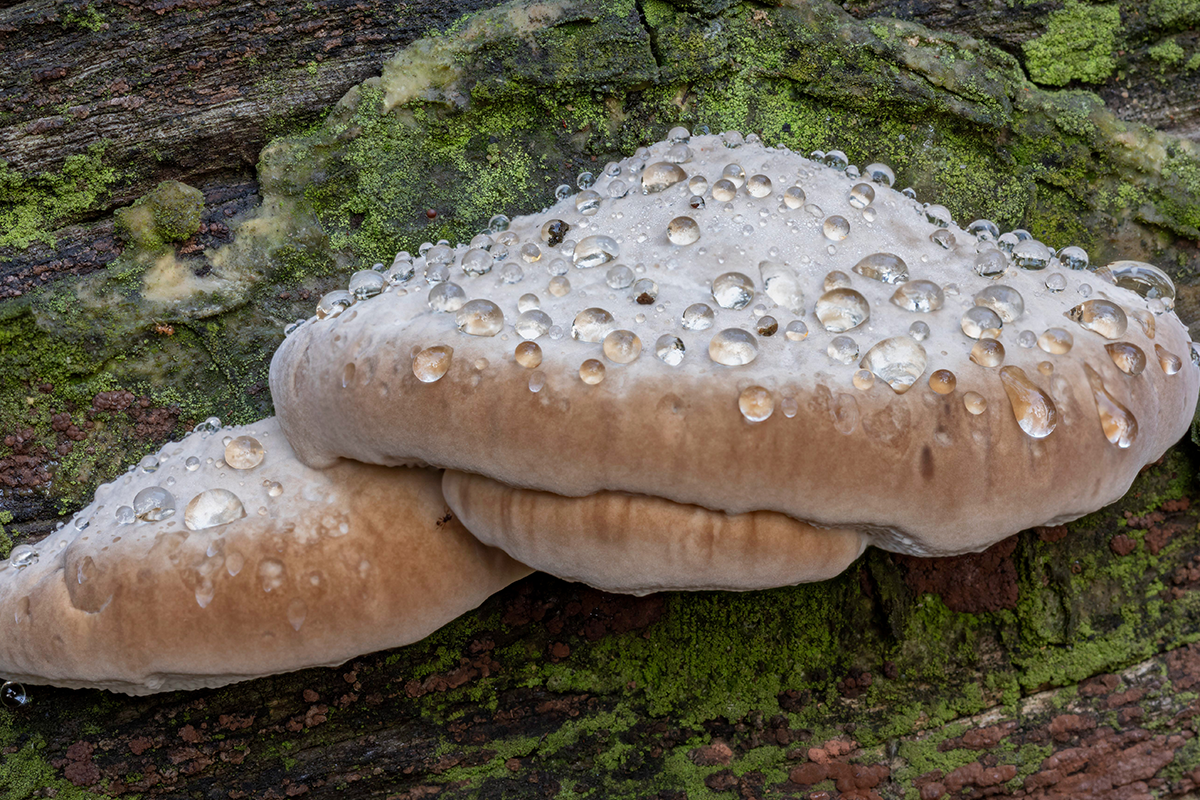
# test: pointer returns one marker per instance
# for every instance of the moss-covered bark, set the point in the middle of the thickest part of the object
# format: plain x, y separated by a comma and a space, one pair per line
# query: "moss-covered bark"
1062, 640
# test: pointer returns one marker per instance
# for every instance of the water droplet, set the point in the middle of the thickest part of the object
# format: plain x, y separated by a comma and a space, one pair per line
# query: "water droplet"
781, 284
125, 515
479, 318
660, 176
758, 186
975, 403
622, 347
919, 296
554, 231
1056, 282
447, 297
669, 349
149, 464
592, 251
919, 331
990, 263
756, 403
842, 309
212, 508
1073, 257
796, 331
984, 229
793, 197
1118, 423
1145, 321
13, 695
366, 283
766, 325
938, 215
153, 504
272, 574
733, 290
837, 160
898, 362
645, 292
978, 320
987, 353
863, 379
836, 280
1128, 357
1143, 279
734, 174
1034, 410
619, 277
1056, 341
942, 381
1169, 362
528, 355
1102, 316
591, 371
698, 317
836, 228
23, 555
1031, 254
880, 173
724, 190
942, 238
885, 267
862, 195
1004, 300
334, 303
587, 202
592, 325
274, 488
842, 349
698, 184
733, 347
432, 363
477, 262
244, 452
297, 611
1046, 368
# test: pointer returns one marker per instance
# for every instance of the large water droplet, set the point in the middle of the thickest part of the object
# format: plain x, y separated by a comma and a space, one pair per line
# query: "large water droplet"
1102, 316
334, 303
733, 290
592, 251
919, 296
842, 349
1128, 357
942, 381
793, 197
1034, 410
1118, 423
645, 292
480, 318
528, 355
1056, 341
1169, 362
862, 195
533, 324
990, 263
1073, 257
938, 215
447, 297
366, 283
724, 190
23, 555
591, 371
975, 403
1004, 300
1145, 279
1031, 254
660, 176
592, 325
781, 285
153, 504
756, 403
244, 452
733, 347
758, 186
271, 574
898, 362
432, 363
987, 353
212, 508
622, 347
683, 231
836, 228
698, 317
978, 321
842, 309
670, 349
885, 267
619, 277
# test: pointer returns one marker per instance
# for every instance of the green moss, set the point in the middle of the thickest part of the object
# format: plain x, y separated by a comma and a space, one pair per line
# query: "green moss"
88, 17
32, 206
1193, 63
25, 774
1167, 53
6, 542
1174, 13
1078, 44
170, 212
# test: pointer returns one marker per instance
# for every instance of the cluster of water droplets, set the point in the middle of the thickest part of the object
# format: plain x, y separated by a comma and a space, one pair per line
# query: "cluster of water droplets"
777, 254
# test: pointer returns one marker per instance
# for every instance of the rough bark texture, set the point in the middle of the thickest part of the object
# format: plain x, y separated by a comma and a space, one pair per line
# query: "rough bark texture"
1060, 663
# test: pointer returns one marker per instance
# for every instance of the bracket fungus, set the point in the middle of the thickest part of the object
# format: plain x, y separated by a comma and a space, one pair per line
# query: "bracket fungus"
730, 351
223, 558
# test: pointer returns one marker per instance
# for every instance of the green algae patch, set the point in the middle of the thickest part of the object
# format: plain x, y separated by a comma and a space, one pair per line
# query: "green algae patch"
32, 206
1079, 45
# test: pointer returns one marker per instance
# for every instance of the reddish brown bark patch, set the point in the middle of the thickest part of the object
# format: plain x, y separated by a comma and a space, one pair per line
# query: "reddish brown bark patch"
974, 583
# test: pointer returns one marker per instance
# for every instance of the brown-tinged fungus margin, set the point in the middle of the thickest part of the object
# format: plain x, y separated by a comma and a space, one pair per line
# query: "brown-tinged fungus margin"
737, 329
223, 558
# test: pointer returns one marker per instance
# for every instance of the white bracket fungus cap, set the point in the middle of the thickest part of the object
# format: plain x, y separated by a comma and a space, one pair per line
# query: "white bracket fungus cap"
223, 558
732, 326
